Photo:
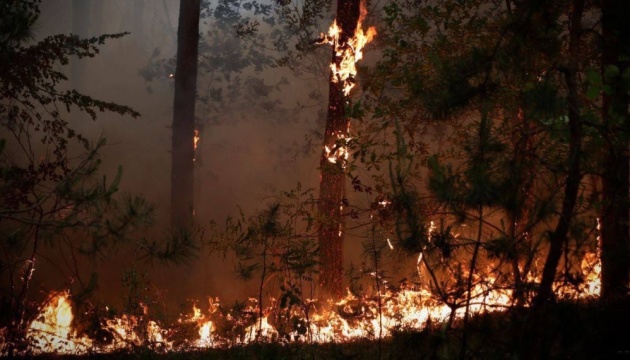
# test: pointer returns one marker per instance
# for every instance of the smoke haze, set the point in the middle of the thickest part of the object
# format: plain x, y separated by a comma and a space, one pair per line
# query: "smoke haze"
244, 154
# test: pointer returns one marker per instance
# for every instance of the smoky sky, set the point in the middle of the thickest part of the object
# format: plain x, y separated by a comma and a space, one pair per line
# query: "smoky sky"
245, 153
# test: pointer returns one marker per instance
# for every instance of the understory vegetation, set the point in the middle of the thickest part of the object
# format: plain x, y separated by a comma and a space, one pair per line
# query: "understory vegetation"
485, 172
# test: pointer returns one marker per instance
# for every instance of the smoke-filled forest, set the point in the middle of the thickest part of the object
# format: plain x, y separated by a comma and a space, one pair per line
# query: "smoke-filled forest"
263, 179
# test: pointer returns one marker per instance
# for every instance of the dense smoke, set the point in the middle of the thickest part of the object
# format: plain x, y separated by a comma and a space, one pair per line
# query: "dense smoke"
246, 152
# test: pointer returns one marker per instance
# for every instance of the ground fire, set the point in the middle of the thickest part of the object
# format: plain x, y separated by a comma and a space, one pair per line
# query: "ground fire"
53, 329
453, 239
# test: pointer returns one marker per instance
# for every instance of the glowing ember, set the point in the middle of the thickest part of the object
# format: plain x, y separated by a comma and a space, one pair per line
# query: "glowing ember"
338, 153
196, 138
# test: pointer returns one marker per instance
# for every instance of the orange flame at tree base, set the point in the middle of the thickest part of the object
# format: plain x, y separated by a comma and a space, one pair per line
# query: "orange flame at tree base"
348, 319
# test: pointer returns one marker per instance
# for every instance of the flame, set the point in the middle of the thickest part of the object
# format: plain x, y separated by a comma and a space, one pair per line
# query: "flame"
196, 138
353, 317
344, 70
129, 330
350, 318
591, 266
52, 330
337, 153
343, 67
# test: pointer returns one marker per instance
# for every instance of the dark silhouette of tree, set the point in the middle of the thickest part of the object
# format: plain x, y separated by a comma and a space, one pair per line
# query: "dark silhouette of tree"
183, 151
615, 240
52, 195
80, 27
559, 236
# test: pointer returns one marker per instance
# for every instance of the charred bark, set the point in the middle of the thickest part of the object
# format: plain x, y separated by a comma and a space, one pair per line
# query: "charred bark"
332, 173
182, 151
558, 237
615, 240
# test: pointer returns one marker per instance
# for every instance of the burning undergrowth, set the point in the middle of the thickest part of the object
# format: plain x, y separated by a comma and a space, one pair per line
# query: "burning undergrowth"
60, 329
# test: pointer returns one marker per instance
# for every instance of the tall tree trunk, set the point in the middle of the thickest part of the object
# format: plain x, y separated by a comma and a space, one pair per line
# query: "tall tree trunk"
572, 182
138, 19
332, 173
97, 18
81, 27
518, 212
615, 240
183, 152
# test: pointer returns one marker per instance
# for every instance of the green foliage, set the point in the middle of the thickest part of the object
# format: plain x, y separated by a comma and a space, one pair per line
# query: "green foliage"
54, 203
16, 21
135, 296
410, 228
277, 247
239, 41
469, 106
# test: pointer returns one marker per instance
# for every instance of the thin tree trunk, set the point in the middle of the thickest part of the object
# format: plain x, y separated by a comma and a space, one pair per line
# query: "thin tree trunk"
261, 288
96, 23
332, 174
535, 346
519, 211
615, 240
572, 182
469, 285
81, 27
183, 152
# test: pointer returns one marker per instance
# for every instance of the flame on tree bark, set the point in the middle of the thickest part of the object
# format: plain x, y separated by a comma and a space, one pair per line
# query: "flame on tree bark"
332, 173
182, 151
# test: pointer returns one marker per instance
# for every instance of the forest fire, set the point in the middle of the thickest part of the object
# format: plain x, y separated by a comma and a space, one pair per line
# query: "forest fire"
457, 217
343, 67
338, 153
352, 318
52, 330
348, 52
347, 38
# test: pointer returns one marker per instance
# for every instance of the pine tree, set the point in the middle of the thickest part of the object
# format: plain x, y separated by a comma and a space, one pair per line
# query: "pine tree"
332, 163
182, 150
615, 68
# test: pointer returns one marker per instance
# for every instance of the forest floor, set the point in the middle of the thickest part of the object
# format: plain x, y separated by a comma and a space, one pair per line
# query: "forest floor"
566, 330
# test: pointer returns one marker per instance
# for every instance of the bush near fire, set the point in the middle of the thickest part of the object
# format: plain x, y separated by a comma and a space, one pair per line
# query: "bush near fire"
486, 148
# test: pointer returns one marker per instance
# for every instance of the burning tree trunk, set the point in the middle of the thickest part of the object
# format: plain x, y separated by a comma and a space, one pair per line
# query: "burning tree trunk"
347, 39
615, 240
183, 151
